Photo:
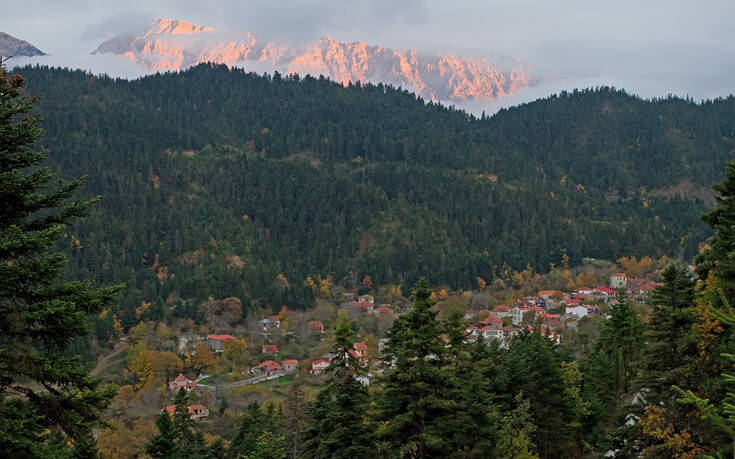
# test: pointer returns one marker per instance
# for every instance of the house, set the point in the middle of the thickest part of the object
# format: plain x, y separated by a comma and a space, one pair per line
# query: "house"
366, 299
270, 349
518, 313
618, 281
493, 322
500, 311
181, 382
496, 334
582, 310
196, 412
290, 364
318, 366
360, 349
384, 309
270, 323
267, 367
217, 342
316, 326
642, 292
546, 294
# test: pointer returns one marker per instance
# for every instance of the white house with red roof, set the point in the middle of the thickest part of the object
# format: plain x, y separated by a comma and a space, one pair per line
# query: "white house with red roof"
267, 367
290, 364
196, 412
270, 349
500, 311
316, 326
492, 321
318, 366
519, 313
217, 342
643, 291
181, 382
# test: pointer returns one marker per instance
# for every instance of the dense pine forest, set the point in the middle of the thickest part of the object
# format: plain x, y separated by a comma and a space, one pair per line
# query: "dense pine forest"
215, 181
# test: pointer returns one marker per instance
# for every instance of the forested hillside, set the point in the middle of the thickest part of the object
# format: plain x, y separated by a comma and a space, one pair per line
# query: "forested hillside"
215, 181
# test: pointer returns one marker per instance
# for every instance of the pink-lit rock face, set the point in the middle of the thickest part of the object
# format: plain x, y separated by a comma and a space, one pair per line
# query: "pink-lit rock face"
176, 45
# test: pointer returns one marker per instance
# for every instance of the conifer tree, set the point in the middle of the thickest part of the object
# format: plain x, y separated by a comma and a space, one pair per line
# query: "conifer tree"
516, 432
47, 399
417, 403
340, 427
670, 340
164, 444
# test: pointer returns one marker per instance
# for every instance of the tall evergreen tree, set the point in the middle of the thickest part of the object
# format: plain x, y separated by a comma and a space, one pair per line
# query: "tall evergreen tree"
417, 403
670, 338
295, 418
340, 427
477, 416
46, 393
164, 443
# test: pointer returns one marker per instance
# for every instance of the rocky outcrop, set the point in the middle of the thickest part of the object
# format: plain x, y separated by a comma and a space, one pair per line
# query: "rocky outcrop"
175, 45
11, 46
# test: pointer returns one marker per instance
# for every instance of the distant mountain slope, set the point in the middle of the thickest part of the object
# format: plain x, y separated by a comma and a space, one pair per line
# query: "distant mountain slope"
215, 181
177, 45
11, 46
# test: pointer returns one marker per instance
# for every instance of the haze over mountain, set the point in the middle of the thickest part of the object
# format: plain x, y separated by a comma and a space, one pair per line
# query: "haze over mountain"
11, 46
175, 45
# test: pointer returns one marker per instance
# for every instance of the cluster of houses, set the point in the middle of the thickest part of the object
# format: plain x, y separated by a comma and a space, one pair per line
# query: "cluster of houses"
504, 321
365, 303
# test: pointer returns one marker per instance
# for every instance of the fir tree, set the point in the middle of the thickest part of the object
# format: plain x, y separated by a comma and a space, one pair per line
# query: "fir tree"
164, 444
417, 403
295, 417
340, 427
45, 390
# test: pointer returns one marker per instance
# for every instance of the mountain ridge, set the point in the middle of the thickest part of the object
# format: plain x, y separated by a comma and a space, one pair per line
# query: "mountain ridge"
11, 46
176, 45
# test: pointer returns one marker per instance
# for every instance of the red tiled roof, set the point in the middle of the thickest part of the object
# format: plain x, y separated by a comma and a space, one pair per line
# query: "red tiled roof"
318, 362
197, 408
360, 346
290, 362
546, 292
180, 377
221, 337
270, 365
501, 308
492, 320
316, 325
619, 275
270, 348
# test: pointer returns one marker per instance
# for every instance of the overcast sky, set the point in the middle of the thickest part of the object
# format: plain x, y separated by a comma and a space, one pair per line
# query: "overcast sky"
650, 47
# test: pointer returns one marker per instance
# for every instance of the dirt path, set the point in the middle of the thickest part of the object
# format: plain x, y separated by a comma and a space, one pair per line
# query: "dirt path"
119, 348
